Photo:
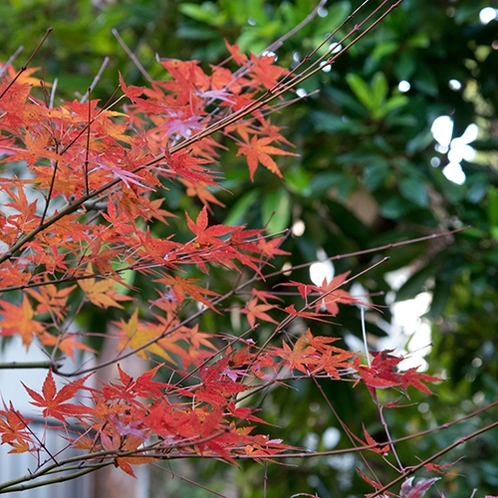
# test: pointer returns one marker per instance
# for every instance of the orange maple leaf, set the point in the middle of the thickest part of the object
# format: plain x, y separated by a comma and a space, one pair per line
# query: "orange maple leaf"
258, 151
66, 344
333, 295
182, 286
254, 310
13, 428
25, 76
205, 235
51, 299
199, 190
19, 320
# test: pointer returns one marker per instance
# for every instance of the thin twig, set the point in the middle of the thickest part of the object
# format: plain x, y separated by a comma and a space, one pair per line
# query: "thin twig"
6, 66
132, 56
87, 151
14, 365
23, 68
95, 80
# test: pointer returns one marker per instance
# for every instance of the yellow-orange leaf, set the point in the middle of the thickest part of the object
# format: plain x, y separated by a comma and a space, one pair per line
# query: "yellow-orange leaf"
102, 293
136, 335
18, 319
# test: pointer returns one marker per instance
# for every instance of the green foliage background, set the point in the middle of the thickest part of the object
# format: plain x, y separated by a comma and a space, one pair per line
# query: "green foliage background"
368, 174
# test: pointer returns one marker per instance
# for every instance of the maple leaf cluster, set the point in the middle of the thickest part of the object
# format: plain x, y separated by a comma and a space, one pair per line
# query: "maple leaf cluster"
79, 214
93, 176
82, 214
382, 374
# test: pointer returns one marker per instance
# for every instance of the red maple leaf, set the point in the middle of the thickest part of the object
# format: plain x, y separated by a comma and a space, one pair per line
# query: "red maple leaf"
207, 236
264, 73
54, 403
383, 373
254, 310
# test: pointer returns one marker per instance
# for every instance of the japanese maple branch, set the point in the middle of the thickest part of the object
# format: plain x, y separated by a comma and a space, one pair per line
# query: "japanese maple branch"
15, 484
263, 100
440, 453
62, 466
11, 486
73, 278
369, 251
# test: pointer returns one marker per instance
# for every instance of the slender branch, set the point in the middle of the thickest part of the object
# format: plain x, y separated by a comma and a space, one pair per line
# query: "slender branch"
95, 80
343, 425
15, 365
87, 150
278, 43
7, 488
23, 68
10, 61
132, 56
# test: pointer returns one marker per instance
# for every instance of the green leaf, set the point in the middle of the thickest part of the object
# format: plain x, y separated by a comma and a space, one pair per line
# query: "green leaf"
346, 101
380, 89
237, 215
395, 208
477, 187
405, 66
256, 12
493, 205
207, 13
336, 13
375, 173
321, 183
360, 88
348, 223
276, 210
298, 180
394, 102
332, 123
488, 144
420, 40
383, 49
426, 81
413, 189
420, 142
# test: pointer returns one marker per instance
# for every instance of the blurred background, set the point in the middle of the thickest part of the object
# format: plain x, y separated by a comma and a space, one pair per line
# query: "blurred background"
399, 142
